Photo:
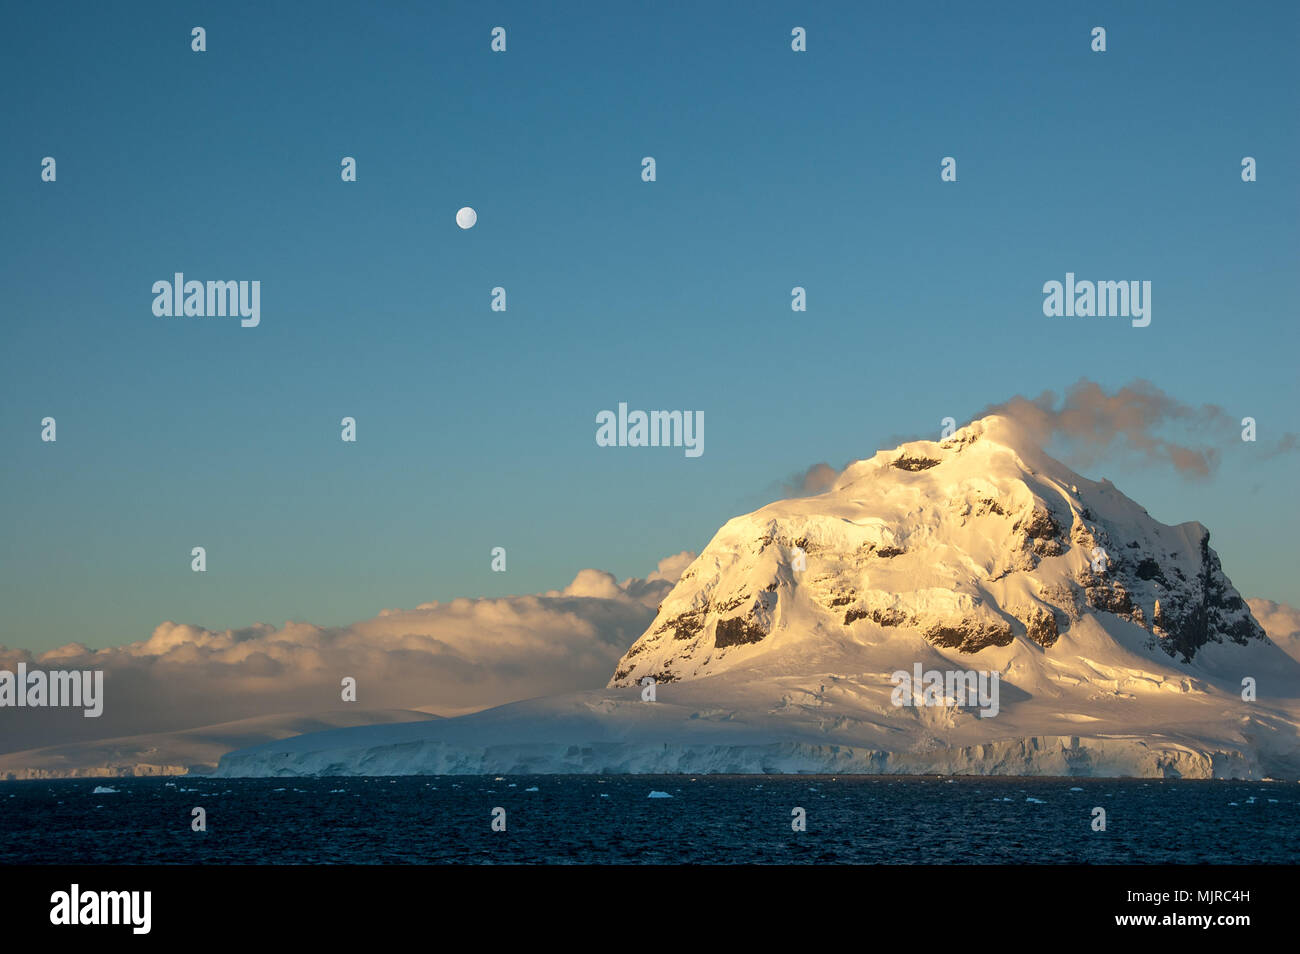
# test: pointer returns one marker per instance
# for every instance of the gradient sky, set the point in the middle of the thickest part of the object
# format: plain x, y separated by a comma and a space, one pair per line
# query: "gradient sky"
476, 428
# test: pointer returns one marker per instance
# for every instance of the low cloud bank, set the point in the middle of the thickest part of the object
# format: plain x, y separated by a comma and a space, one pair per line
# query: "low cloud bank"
445, 658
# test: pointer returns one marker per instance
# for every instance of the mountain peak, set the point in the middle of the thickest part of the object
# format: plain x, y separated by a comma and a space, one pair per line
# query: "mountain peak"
978, 540
990, 438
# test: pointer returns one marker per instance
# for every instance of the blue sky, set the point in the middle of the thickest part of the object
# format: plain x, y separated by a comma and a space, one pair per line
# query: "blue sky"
476, 428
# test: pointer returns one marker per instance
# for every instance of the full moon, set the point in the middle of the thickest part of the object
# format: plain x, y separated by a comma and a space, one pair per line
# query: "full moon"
466, 218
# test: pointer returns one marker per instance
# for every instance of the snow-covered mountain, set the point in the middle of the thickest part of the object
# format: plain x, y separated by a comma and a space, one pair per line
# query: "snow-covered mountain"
970, 542
1121, 646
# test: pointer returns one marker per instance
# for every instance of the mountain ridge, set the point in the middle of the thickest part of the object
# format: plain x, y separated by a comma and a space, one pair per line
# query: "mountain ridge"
964, 539
1121, 646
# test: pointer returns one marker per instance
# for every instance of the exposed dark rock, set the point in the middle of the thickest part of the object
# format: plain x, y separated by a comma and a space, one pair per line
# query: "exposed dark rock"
959, 440
889, 617
881, 617
1040, 525
1040, 626
1149, 569
1042, 533
1185, 625
1110, 596
916, 463
737, 632
685, 626
970, 635
661, 678
726, 606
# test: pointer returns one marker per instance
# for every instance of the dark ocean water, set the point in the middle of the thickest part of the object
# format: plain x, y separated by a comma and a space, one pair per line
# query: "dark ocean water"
611, 819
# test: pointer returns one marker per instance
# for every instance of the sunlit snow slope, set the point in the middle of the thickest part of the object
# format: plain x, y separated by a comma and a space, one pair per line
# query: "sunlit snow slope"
1121, 644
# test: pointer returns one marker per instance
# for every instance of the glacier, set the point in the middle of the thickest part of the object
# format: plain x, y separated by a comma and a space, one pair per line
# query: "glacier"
1123, 649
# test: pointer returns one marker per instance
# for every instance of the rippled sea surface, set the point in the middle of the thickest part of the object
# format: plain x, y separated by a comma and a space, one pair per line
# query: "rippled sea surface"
709, 819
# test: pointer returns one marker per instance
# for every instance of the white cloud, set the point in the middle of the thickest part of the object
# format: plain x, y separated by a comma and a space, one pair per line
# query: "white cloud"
445, 657
1281, 623
671, 568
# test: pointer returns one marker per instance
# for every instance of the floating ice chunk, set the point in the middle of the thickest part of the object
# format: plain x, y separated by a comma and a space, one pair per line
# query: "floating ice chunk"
1075, 788
658, 795
1036, 801
103, 790
533, 789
